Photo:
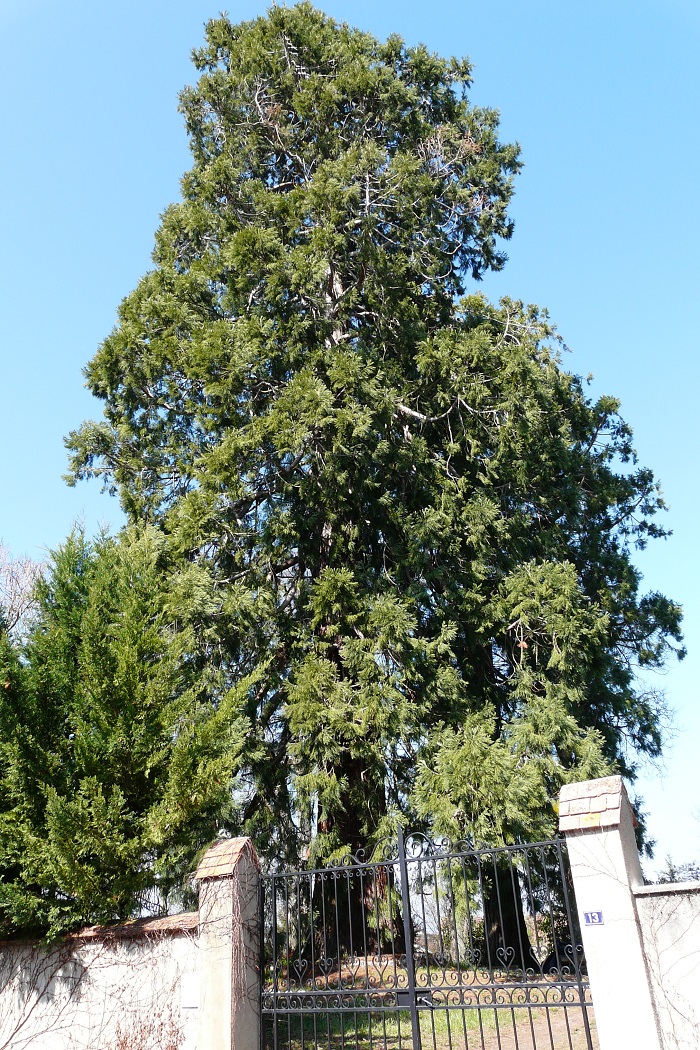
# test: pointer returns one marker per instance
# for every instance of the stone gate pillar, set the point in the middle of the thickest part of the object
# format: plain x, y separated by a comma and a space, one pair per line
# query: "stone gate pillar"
229, 941
598, 822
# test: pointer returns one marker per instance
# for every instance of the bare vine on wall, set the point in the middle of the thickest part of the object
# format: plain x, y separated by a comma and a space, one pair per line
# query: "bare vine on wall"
37, 986
84, 995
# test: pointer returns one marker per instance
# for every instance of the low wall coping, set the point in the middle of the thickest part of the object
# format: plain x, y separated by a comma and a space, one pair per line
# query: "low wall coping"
591, 788
165, 926
663, 889
593, 805
132, 929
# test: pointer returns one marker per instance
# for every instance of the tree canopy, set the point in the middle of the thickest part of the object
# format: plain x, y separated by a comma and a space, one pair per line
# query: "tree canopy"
410, 529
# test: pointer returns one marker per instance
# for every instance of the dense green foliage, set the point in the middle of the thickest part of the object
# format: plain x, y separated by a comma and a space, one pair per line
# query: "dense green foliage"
411, 514
110, 779
398, 530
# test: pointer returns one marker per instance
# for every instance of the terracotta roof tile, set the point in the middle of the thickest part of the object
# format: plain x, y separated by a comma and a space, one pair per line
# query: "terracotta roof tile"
172, 925
222, 858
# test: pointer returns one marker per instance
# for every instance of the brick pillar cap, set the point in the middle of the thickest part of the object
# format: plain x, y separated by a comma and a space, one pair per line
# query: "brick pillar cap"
223, 858
591, 788
594, 805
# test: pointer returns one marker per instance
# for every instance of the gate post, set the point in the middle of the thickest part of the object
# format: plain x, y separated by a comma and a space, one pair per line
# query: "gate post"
229, 942
598, 822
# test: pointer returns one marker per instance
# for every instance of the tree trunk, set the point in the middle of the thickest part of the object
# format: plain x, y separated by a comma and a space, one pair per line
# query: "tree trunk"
507, 939
358, 908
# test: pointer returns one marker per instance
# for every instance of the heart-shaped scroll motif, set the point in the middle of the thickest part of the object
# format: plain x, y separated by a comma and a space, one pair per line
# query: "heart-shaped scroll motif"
540, 953
573, 957
301, 966
325, 965
349, 971
506, 956
384, 967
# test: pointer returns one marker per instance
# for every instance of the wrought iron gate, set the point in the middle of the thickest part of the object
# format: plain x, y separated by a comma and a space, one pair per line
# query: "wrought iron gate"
426, 946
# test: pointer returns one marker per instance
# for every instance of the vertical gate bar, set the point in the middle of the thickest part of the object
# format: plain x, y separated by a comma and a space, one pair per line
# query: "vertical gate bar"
548, 898
288, 919
336, 891
494, 862
517, 907
317, 943
532, 908
408, 935
289, 912
336, 916
261, 942
441, 919
302, 970
348, 895
457, 959
577, 967
351, 957
542, 853
361, 874
517, 897
427, 953
324, 925
367, 894
312, 928
452, 903
534, 911
561, 964
513, 1015
391, 888
480, 896
421, 897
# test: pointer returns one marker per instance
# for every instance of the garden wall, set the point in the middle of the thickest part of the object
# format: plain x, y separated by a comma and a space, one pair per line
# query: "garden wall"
119, 988
186, 982
669, 917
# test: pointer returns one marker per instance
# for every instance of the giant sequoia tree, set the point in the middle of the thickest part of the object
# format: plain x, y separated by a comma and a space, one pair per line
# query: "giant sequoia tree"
413, 526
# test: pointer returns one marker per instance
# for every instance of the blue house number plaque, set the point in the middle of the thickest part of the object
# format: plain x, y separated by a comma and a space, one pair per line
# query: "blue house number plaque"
593, 918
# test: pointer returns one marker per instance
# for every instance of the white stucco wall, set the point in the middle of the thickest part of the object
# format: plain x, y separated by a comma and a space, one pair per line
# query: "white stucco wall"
185, 982
669, 917
118, 991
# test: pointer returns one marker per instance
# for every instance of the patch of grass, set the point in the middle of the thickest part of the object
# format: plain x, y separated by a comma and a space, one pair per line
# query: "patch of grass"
483, 1028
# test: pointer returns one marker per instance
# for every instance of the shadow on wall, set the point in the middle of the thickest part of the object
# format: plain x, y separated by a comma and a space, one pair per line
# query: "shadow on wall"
142, 985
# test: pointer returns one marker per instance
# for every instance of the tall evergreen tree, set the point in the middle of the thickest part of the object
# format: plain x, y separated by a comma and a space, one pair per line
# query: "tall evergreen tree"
413, 527
117, 743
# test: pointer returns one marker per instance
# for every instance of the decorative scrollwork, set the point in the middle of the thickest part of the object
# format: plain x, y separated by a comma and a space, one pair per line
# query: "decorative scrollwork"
337, 937
325, 964
384, 850
506, 955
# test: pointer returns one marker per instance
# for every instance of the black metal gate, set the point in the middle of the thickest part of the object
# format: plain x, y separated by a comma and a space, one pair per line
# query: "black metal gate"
426, 946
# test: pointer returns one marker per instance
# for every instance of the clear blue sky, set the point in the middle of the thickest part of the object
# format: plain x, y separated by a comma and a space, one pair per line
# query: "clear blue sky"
603, 97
